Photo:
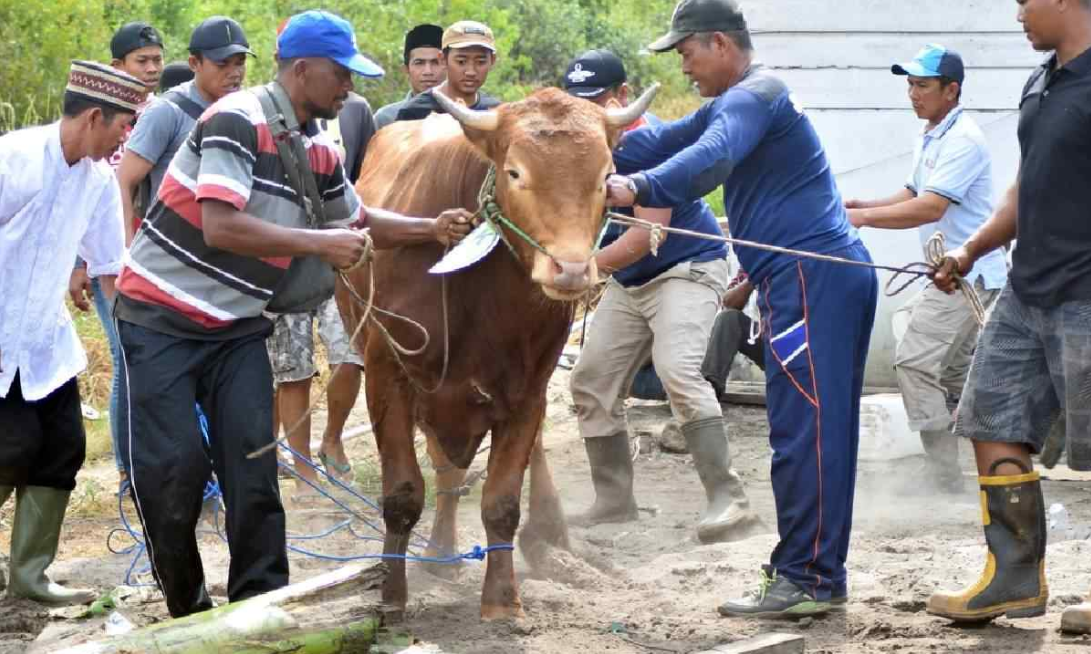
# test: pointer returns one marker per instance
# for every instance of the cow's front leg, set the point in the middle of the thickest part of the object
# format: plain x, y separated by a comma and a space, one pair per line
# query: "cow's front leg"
546, 525
390, 405
512, 443
443, 541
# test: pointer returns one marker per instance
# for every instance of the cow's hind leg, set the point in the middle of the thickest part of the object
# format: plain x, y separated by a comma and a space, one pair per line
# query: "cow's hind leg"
391, 409
546, 525
512, 443
443, 541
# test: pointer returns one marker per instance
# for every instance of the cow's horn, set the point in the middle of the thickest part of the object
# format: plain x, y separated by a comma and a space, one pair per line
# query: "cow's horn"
628, 115
486, 121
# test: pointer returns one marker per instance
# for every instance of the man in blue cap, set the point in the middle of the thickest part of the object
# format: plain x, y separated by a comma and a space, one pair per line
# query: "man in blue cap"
204, 267
950, 192
754, 139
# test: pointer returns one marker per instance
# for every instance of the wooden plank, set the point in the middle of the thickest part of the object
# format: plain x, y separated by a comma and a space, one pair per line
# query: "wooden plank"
867, 50
764, 644
882, 15
855, 88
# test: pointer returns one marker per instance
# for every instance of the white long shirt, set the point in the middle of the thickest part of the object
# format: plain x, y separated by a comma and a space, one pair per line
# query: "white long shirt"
49, 213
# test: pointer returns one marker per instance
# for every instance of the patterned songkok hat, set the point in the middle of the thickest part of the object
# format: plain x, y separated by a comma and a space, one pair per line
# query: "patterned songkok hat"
106, 85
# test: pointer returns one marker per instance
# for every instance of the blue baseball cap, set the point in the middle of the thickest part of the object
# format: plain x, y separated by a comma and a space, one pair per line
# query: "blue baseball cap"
933, 61
317, 33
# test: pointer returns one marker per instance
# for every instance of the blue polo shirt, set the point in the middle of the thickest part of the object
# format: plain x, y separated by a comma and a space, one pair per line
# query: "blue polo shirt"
952, 160
777, 183
637, 151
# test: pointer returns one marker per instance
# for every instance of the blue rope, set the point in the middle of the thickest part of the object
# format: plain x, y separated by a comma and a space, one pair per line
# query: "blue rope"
213, 492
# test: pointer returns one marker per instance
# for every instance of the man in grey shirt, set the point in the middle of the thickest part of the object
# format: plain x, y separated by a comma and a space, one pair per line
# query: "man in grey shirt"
218, 49
424, 66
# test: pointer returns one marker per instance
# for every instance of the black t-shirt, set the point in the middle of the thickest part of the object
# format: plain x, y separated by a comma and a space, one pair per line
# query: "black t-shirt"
425, 103
1052, 260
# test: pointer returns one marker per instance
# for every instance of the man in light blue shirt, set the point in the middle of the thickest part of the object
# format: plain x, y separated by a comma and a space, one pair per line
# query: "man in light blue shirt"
950, 191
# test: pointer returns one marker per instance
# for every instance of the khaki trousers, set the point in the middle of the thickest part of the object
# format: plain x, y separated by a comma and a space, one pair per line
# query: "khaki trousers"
933, 357
670, 319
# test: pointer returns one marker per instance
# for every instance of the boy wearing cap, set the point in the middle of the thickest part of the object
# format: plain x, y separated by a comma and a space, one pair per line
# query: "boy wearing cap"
1033, 361
57, 198
949, 191
661, 305
191, 300
754, 140
424, 66
469, 53
218, 49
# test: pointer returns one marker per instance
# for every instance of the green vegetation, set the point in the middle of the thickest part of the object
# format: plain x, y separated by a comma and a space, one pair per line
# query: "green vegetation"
536, 39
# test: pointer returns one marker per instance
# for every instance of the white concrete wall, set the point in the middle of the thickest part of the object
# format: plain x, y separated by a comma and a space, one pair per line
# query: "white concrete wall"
836, 57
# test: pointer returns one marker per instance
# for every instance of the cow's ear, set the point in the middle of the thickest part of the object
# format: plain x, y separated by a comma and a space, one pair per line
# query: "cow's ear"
613, 136
487, 142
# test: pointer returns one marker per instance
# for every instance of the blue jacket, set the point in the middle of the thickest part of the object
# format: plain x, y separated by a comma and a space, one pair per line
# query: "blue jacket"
637, 151
777, 184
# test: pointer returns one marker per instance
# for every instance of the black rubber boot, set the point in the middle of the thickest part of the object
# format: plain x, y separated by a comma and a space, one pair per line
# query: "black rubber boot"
1014, 581
612, 475
728, 513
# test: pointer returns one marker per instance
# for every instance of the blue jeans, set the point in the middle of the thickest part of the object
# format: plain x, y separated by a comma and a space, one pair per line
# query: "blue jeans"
102, 308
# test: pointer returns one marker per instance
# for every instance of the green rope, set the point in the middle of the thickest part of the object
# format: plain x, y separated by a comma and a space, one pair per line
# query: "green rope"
490, 211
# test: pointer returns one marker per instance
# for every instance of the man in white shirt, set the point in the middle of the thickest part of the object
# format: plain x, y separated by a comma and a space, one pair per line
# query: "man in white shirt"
58, 198
950, 191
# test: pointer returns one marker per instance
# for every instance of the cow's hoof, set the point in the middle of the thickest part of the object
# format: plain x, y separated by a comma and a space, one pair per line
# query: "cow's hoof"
445, 571
494, 612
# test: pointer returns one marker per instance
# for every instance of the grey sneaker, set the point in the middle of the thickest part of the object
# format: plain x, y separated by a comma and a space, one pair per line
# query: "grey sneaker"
776, 597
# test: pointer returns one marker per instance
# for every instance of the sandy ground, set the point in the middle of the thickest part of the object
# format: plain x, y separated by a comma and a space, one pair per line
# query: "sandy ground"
652, 580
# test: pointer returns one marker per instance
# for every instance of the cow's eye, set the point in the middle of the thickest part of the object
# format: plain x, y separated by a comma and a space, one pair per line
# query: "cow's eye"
513, 174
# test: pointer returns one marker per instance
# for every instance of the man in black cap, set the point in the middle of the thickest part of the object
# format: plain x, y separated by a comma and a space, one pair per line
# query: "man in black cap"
137, 49
817, 317
424, 66
660, 305
218, 49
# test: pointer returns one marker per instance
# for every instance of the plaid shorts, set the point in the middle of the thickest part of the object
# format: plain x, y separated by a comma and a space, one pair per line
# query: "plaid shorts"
291, 347
1031, 365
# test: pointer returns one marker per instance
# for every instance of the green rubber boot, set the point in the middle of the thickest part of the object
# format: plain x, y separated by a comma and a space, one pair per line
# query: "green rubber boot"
39, 514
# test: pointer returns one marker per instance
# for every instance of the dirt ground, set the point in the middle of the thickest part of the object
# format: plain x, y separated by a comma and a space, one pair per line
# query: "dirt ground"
650, 586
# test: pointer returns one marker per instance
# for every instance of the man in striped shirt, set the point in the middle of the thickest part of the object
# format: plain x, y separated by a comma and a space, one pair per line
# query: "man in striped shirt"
206, 263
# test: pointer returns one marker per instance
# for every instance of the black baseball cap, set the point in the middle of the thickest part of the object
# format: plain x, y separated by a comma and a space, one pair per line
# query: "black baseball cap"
174, 74
692, 16
218, 38
133, 36
423, 36
593, 73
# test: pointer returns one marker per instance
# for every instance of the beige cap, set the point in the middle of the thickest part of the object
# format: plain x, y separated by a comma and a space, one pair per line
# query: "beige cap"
469, 34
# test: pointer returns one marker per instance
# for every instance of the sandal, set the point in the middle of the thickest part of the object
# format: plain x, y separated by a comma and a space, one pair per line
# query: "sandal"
340, 472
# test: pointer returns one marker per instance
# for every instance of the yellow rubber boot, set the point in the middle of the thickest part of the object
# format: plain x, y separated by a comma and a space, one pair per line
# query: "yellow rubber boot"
1014, 581
1077, 619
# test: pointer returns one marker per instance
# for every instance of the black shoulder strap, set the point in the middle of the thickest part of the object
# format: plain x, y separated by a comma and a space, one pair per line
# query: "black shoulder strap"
180, 100
285, 131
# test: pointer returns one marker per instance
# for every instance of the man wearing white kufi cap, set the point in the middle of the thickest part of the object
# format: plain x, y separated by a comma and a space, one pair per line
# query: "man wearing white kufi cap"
58, 198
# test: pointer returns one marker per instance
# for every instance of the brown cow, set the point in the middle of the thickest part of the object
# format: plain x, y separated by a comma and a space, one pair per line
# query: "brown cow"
508, 316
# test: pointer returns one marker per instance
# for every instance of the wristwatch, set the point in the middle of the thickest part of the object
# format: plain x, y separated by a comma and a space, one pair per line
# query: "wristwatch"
631, 185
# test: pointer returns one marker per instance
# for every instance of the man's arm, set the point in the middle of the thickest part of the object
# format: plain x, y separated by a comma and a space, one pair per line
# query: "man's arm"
227, 228
130, 173
634, 244
738, 296
924, 210
998, 231
903, 195
738, 120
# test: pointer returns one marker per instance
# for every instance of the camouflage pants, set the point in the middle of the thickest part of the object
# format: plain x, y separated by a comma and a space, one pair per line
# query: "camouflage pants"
291, 347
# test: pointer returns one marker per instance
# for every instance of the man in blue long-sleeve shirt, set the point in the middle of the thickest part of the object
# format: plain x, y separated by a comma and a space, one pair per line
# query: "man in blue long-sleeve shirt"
753, 139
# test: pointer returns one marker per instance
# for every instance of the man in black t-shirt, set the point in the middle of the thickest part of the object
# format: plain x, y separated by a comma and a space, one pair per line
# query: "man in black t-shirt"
1034, 357
469, 52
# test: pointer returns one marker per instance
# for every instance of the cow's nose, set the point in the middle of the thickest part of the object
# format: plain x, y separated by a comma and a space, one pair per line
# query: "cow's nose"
571, 275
